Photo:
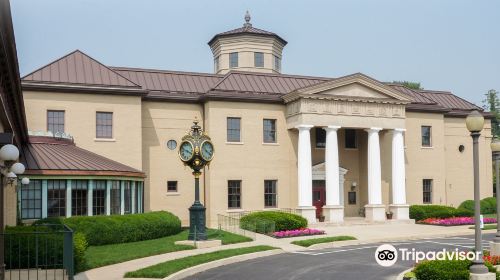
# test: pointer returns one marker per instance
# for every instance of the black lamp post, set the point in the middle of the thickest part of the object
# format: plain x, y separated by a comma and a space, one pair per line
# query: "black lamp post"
475, 123
196, 151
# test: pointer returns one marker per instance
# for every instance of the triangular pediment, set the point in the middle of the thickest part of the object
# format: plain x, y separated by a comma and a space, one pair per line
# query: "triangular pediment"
355, 87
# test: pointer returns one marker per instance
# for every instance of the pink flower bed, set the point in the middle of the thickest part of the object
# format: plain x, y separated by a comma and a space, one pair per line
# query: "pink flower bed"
297, 232
455, 221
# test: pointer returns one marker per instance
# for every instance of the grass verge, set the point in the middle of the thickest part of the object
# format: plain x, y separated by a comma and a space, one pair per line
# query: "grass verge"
487, 227
98, 256
167, 268
309, 242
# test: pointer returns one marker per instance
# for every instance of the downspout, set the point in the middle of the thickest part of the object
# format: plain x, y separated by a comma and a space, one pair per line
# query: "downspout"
204, 168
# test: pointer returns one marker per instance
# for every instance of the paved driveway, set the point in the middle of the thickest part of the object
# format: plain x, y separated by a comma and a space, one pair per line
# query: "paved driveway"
343, 263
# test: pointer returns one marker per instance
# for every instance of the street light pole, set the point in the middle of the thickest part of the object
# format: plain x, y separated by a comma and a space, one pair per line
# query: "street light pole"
495, 148
475, 123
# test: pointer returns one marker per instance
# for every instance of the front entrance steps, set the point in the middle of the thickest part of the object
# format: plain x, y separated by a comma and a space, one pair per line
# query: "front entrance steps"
356, 221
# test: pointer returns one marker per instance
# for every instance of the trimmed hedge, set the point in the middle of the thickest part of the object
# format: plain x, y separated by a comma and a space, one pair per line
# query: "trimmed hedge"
421, 212
446, 270
269, 221
443, 270
488, 205
102, 230
21, 247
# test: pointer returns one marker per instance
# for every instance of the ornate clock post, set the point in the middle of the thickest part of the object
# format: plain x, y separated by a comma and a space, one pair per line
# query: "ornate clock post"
196, 151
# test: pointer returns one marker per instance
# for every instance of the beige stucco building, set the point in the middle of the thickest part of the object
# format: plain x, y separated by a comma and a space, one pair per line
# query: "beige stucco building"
326, 147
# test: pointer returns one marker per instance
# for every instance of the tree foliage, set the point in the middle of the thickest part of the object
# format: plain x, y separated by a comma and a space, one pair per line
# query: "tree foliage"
408, 84
492, 104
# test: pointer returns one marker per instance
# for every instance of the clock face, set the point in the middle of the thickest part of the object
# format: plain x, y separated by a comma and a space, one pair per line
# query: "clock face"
186, 151
207, 151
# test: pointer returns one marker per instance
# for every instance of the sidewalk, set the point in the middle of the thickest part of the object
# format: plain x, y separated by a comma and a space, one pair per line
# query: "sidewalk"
364, 234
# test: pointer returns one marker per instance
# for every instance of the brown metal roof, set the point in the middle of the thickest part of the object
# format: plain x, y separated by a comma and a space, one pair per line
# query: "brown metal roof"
196, 87
78, 68
449, 100
53, 156
247, 30
170, 81
260, 83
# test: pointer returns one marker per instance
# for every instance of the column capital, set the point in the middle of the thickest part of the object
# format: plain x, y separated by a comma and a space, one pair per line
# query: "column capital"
373, 129
304, 126
399, 129
332, 127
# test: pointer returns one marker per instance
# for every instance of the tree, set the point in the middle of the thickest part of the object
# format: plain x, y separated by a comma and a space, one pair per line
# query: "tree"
492, 104
408, 84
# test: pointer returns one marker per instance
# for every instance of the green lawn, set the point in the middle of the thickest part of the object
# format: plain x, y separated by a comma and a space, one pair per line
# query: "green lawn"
98, 256
309, 242
167, 268
487, 227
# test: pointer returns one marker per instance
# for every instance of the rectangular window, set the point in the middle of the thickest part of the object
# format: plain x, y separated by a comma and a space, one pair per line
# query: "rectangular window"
128, 197
172, 186
234, 194
258, 59
99, 198
79, 198
233, 129
351, 198
277, 63
104, 125
269, 131
426, 136
31, 200
55, 121
216, 64
350, 139
270, 193
427, 190
56, 198
233, 60
116, 198
320, 137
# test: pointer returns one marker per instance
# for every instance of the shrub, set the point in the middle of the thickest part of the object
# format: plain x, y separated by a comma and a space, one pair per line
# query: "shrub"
80, 244
24, 246
468, 204
102, 230
488, 205
443, 270
421, 212
263, 221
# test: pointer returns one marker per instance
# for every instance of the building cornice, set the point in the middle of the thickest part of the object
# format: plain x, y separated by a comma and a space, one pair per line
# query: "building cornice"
75, 88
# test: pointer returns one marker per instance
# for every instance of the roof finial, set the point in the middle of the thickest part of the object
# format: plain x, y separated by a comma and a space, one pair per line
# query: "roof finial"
247, 20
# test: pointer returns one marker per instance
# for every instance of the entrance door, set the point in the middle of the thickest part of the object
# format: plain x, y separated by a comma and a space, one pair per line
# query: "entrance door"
318, 196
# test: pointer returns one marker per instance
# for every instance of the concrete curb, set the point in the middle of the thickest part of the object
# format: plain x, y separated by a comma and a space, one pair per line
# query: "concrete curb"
385, 240
205, 266
402, 274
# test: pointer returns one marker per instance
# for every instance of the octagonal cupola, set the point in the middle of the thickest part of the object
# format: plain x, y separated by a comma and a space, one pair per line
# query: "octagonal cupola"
247, 49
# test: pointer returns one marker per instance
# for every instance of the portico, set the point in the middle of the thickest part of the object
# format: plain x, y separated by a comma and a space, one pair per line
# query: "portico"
352, 102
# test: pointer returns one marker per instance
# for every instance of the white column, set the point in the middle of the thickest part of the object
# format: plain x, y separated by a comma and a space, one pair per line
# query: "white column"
332, 175
399, 208
44, 199
122, 197
134, 210
333, 210
90, 195
108, 197
68, 198
304, 165
374, 210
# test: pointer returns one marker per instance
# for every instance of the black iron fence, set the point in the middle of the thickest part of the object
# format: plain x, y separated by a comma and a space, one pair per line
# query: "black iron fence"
39, 252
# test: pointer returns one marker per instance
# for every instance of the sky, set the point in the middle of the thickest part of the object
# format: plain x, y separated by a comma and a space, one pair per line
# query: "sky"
444, 44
